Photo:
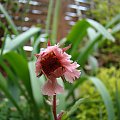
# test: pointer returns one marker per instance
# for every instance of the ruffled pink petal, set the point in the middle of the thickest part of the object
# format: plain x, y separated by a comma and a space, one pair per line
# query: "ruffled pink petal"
72, 66
69, 65
66, 56
58, 53
51, 48
61, 55
70, 76
51, 87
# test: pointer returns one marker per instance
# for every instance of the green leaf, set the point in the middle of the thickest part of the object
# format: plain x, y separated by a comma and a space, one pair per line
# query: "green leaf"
35, 47
61, 97
93, 63
49, 16
101, 29
62, 41
113, 21
20, 67
9, 20
41, 39
13, 27
3, 42
105, 96
117, 96
4, 88
11, 76
55, 21
74, 86
86, 51
3, 82
75, 106
20, 39
91, 33
35, 84
77, 33
66, 115
116, 28
6, 69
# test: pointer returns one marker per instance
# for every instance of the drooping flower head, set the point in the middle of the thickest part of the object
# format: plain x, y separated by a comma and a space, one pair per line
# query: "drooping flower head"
54, 62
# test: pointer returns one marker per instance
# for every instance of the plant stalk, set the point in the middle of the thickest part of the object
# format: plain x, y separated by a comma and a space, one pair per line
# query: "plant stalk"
54, 107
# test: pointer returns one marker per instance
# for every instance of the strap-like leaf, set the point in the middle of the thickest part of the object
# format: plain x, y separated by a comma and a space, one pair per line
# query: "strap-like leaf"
101, 29
11, 23
105, 96
35, 84
4, 88
77, 33
20, 39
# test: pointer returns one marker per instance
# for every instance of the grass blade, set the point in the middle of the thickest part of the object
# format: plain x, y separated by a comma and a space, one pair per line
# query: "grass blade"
9, 20
55, 21
101, 29
77, 33
93, 63
61, 97
49, 15
91, 33
18, 64
117, 95
12, 77
116, 28
113, 21
66, 115
105, 96
82, 58
77, 83
4, 88
35, 84
75, 106
20, 39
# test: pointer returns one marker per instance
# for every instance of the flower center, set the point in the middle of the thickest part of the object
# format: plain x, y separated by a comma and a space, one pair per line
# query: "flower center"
50, 63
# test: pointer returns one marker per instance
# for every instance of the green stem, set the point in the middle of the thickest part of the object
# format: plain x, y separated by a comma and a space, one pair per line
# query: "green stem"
49, 16
55, 21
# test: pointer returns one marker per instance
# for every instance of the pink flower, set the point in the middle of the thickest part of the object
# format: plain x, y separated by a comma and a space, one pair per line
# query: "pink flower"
54, 62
